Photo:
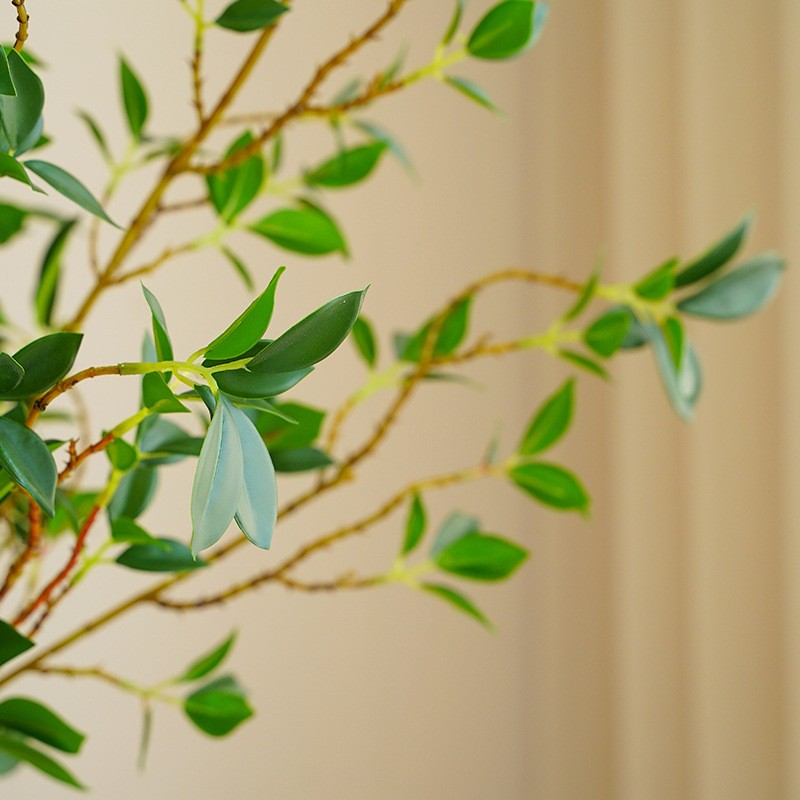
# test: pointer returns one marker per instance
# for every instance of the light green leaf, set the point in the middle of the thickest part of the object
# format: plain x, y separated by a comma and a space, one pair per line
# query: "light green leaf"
507, 30
739, 293
347, 167
551, 421
50, 274
552, 485
209, 662
123, 456
257, 511
249, 327
244, 16
459, 601
313, 338
161, 442
166, 555
364, 339
415, 525
394, 147
455, 21
717, 256
659, 283
682, 384
240, 268
163, 343
12, 643
233, 190
675, 337
24, 752
97, 135
451, 334
218, 480
607, 333
35, 720
134, 100
582, 361
584, 298
307, 230
70, 187
27, 460
218, 708
480, 557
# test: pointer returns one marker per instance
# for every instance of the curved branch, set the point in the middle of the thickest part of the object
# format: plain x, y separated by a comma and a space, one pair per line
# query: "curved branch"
23, 18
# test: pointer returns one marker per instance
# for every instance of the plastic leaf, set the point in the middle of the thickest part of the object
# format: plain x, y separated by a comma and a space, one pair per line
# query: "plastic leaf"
6, 81
550, 422
244, 16
242, 383
11, 373
480, 557
552, 485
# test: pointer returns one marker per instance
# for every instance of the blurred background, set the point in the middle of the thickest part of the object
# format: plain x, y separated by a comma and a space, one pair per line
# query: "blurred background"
649, 652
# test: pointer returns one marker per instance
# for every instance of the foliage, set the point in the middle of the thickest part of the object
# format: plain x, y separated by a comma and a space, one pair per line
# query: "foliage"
241, 428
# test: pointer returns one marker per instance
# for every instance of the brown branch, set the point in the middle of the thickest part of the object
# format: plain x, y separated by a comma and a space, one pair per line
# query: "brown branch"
303, 102
23, 18
76, 459
83, 672
29, 551
153, 265
183, 205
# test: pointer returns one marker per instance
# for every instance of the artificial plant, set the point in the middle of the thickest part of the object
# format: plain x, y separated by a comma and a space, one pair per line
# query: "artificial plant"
237, 411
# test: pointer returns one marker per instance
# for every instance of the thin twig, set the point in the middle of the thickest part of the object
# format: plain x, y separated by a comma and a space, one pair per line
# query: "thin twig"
23, 19
29, 551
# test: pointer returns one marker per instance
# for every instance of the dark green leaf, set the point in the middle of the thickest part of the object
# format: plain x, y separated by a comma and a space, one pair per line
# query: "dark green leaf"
550, 422
307, 230
451, 333
209, 662
12, 220
218, 708
123, 456
27, 460
11, 168
134, 493
232, 190
552, 485
126, 531
583, 362
507, 30
249, 327
607, 333
50, 274
45, 362
242, 383
244, 16
97, 134
347, 167
12, 643
459, 601
717, 256
163, 343
659, 283
415, 525
301, 459
473, 92
134, 100
70, 187
35, 720
167, 555
454, 527
218, 479
11, 373
20, 113
312, 339
291, 425
6, 81
480, 557
739, 293
364, 339
24, 752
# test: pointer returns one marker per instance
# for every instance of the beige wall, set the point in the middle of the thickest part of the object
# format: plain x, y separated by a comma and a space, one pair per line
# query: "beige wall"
648, 653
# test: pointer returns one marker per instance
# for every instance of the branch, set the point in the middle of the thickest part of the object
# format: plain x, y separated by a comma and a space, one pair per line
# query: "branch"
153, 265
23, 18
30, 549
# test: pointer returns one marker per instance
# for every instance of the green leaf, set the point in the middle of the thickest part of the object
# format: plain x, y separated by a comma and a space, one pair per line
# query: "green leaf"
347, 167
458, 600
45, 362
659, 283
307, 230
739, 293
158, 396
20, 113
249, 327
480, 557
11, 168
50, 274
12, 643
583, 362
607, 333
717, 256
313, 338
27, 460
675, 338
552, 485
584, 298
209, 662
12, 220
134, 493
218, 708
257, 511
364, 339
161, 442
11, 373
682, 384
242, 383
455, 21
124, 530
507, 30
163, 343
6, 81
218, 480
35, 720
240, 268
453, 528
24, 752
473, 92
301, 459
415, 525
451, 334
550, 422
232, 190
244, 16
70, 187
123, 456
167, 555
134, 100
379, 133
97, 135
289, 426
